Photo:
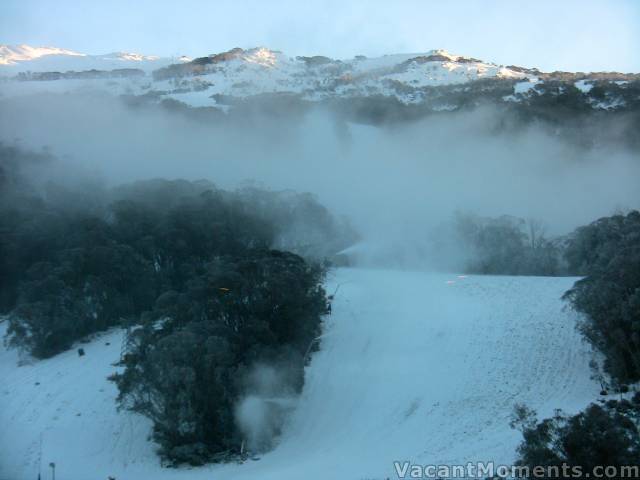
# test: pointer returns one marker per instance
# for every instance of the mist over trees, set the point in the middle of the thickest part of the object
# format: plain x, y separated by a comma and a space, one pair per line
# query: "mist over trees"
187, 268
507, 245
76, 263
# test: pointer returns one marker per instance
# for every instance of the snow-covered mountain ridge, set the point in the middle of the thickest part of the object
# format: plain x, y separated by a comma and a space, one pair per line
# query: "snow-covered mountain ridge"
243, 73
431, 78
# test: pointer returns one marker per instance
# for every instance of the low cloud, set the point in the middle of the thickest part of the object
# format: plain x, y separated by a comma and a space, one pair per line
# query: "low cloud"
396, 184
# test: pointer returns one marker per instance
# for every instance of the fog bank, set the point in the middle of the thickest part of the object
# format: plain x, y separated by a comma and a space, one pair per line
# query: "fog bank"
395, 184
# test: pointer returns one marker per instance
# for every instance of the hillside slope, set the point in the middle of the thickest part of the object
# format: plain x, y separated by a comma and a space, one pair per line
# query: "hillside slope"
412, 366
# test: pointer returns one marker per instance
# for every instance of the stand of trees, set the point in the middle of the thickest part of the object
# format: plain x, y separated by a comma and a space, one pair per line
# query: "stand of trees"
601, 435
188, 268
607, 254
76, 272
186, 364
507, 245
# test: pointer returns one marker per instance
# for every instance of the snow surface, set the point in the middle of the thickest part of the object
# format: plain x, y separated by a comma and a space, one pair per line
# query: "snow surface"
412, 366
584, 86
524, 87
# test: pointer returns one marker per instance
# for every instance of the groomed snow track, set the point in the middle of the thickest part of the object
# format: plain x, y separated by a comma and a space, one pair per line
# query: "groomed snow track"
412, 366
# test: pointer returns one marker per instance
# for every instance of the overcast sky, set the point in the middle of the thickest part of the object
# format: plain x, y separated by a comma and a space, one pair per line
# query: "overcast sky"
584, 35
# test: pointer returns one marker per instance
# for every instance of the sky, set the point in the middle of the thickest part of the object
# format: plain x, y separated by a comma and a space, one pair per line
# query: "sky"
573, 35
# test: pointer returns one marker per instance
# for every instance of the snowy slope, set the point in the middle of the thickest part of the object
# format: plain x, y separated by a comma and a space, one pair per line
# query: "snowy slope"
67, 397
412, 366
